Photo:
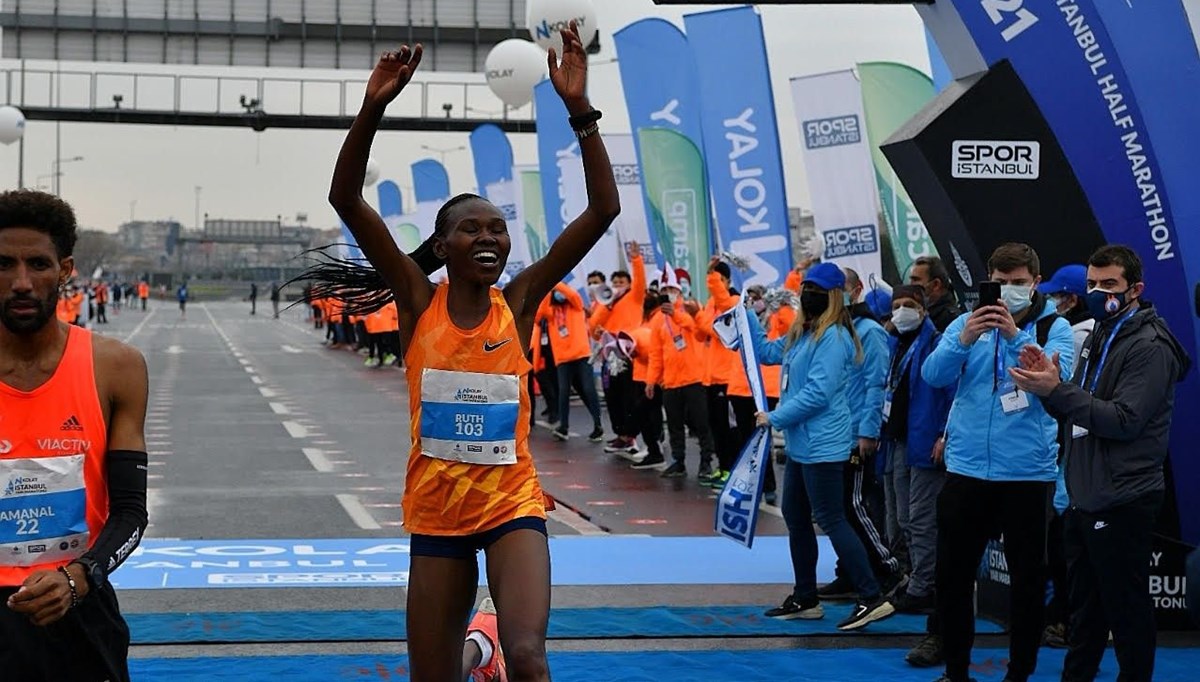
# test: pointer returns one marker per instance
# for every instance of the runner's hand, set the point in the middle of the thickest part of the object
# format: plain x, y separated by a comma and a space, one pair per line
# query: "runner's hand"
45, 597
392, 73
569, 76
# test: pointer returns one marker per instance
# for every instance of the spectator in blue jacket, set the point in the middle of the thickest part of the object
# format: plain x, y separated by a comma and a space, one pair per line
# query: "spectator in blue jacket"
915, 419
1001, 460
864, 498
814, 414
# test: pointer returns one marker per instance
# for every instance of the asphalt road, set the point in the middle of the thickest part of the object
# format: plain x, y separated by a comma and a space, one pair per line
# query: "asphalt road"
256, 430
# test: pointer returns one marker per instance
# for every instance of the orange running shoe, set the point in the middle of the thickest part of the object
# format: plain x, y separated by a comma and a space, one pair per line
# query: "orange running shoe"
484, 623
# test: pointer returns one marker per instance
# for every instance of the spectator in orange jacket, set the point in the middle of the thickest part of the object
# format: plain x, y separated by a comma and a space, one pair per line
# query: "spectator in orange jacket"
622, 314
563, 310
646, 409
721, 366
677, 366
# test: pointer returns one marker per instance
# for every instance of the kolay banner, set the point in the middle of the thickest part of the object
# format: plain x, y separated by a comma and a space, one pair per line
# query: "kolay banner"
841, 177
665, 96
741, 141
558, 153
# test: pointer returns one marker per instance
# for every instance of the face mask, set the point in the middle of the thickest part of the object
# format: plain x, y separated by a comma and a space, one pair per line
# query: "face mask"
1059, 303
618, 291
673, 296
759, 305
846, 300
1016, 297
685, 287
906, 319
1104, 304
814, 303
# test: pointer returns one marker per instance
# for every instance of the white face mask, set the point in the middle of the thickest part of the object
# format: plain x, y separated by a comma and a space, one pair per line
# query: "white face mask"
1016, 297
906, 319
673, 296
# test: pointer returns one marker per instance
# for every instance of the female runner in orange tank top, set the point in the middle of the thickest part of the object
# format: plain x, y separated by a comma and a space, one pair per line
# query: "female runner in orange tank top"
467, 342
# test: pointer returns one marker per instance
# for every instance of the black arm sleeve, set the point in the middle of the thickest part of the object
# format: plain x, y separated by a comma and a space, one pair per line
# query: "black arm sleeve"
127, 517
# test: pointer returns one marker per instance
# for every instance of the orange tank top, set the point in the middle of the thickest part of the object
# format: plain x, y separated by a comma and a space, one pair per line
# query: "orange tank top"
470, 468
53, 496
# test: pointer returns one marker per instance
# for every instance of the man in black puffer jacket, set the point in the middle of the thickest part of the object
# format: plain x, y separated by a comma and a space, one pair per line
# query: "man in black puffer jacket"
1116, 420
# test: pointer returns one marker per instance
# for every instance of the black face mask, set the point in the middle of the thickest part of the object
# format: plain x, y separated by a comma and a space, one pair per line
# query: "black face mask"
814, 303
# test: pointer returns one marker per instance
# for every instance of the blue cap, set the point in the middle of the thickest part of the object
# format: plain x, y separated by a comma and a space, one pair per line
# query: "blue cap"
1070, 279
826, 275
880, 303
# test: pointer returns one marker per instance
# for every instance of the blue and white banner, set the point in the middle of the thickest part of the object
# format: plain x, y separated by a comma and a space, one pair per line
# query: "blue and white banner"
492, 154
658, 76
390, 201
558, 152
737, 507
504, 194
430, 181
43, 510
1119, 84
841, 175
741, 141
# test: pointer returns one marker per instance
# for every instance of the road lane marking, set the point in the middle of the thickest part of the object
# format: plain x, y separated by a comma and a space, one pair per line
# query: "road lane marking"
357, 512
316, 457
295, 430
279, 408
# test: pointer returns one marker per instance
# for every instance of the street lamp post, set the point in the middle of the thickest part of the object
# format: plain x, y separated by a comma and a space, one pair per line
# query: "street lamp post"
57, 175
443, 152
197, 222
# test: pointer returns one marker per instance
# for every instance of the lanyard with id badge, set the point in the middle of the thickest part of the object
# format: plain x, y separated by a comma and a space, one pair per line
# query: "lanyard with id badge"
1012, 399
1078, 431
894, 379
676, 336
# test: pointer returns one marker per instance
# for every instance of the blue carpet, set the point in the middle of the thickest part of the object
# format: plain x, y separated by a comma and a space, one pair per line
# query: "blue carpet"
578, 623
848, 665
381, 562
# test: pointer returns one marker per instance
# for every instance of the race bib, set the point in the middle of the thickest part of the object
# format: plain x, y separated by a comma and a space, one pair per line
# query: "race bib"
43, 510
680, 343
469, 417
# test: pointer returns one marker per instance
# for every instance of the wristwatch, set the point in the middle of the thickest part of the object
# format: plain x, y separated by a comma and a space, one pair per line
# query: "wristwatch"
96, 577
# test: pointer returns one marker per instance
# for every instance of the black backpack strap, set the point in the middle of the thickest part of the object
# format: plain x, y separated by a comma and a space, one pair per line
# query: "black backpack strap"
1043, 328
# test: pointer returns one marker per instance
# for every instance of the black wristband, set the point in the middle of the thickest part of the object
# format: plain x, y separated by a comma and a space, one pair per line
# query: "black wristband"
584, 120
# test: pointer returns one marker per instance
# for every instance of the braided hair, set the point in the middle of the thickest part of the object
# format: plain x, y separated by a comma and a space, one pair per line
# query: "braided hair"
359, 286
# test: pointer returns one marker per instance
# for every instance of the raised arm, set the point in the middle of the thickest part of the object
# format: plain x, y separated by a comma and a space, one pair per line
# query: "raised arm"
570, 81
407, 280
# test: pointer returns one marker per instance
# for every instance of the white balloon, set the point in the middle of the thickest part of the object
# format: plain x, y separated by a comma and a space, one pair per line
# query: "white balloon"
12, 124
513, 67
372, 175
547, 17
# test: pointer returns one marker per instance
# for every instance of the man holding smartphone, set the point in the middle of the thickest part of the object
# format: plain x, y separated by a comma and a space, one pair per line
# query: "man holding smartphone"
1001, 457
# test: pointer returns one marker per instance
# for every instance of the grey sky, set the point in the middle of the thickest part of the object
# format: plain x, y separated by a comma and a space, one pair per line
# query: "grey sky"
280, 172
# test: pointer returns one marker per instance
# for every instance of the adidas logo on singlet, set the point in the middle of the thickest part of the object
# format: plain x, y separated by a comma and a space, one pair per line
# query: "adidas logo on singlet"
72, 424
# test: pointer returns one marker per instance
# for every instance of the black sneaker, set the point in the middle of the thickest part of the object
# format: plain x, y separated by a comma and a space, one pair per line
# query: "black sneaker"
866, 613
650, 462
771, 498
560, 435
676, 470
906, 603
927, 654
839, 589
790, 609
597, 435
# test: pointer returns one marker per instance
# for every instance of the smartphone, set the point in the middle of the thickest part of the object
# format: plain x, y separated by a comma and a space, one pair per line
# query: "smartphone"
989, 293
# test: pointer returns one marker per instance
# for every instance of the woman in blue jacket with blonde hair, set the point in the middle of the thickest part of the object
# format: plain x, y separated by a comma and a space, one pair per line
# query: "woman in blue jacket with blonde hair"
814, 414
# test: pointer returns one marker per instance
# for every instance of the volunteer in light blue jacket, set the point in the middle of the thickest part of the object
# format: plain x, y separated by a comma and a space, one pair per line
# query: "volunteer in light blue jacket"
860, 486
1000, 457
814, 414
